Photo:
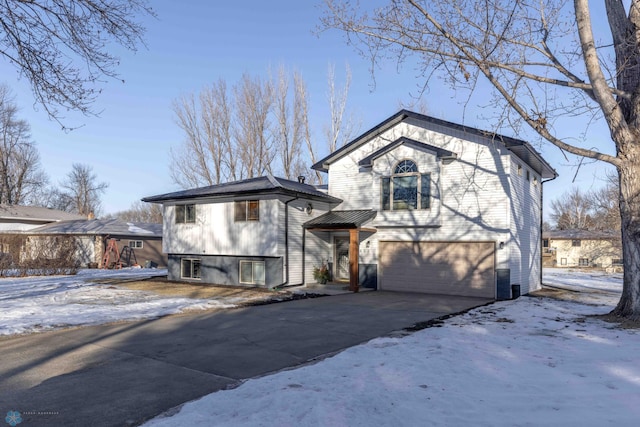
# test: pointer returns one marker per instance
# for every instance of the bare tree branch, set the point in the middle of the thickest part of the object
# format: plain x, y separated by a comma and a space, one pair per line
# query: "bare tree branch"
60, 46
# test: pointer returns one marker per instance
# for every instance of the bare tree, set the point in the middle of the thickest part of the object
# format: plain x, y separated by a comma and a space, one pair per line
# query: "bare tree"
253, 144
342, 125
572, 210
21, 175
206, 156
301, 89
259, 126
60, 46
604, 203
545, 66
290, 120
80, 192
229, 135
141, 212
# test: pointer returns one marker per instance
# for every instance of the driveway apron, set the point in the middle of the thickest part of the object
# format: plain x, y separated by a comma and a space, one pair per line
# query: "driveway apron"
124, 374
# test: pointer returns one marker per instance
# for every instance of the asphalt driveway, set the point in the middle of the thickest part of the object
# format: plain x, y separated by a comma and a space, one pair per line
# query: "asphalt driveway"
124, 374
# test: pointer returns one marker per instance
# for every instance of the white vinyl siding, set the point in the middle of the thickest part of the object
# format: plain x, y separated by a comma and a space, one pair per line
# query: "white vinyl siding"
525, 240
216, 232
314, 248
469, 196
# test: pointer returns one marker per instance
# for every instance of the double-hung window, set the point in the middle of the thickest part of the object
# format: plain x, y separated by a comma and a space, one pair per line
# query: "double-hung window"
246, 210
406, 188
185, 214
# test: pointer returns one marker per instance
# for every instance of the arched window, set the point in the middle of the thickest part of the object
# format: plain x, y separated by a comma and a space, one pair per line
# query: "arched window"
406, 188
406, 166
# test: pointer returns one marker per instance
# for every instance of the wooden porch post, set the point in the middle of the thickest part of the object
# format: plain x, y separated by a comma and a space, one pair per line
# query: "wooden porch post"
354, 248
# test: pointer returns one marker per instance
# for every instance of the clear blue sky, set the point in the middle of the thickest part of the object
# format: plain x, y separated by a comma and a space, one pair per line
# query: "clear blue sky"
192, 44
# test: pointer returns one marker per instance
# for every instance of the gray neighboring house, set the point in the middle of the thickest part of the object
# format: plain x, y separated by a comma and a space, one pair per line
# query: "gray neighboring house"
19, 218
92, 235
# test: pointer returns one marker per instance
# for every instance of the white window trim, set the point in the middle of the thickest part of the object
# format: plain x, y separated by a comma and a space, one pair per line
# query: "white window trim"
184, 206
253, 281
191, 276
418, 176
137, 244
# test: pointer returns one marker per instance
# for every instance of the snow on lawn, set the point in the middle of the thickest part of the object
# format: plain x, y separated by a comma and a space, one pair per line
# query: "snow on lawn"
594, 286
32, 304
528, 362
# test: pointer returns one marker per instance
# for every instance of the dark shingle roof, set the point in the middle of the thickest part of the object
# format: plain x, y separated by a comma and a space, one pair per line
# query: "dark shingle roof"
581, 234
519, 147
253, 186
112, 227
342, 219
35, 213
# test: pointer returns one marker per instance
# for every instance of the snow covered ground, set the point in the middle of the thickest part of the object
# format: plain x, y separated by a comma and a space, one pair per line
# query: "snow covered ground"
32, 304
528, 362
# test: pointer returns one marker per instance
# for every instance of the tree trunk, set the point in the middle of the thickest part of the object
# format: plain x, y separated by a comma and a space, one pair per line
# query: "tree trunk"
629, 176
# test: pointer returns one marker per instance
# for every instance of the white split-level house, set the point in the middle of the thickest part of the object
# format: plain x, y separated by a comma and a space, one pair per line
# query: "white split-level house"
414, 204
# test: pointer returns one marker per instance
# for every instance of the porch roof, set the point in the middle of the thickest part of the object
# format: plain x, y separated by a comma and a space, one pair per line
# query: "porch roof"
342, 219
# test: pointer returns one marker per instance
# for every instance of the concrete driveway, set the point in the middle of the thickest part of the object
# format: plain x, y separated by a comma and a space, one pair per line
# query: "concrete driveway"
124, 374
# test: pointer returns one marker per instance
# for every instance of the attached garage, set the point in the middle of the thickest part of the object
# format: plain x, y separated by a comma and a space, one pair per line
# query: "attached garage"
450, 268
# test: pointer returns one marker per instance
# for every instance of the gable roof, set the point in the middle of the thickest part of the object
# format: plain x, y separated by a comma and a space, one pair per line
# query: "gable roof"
520, 148
248, 187
112, 227
34, 214
342, 219
440, 152
576, 234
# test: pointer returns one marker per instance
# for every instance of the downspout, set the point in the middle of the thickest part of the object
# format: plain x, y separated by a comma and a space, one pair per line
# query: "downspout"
542, 221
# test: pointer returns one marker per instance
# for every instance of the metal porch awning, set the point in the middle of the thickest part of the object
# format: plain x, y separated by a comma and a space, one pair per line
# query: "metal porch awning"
336, 220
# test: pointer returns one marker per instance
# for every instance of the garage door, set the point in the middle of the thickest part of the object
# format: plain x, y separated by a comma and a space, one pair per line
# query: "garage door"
451, 268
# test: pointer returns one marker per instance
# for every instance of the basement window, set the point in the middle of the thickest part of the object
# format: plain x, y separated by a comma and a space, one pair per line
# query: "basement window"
190, 268
252, 272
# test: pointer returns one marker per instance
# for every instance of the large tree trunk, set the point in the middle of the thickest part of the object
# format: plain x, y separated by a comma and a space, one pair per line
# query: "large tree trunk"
629, 176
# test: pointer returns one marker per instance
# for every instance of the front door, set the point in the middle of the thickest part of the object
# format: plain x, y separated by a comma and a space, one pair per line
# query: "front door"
342, 258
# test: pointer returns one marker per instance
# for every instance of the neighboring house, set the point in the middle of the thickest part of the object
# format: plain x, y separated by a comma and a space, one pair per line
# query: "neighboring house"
17, 218
582, 248
144, 239
414, 204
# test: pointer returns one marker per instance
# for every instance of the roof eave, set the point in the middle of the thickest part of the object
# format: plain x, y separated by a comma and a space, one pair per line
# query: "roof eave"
234, 194
323, 164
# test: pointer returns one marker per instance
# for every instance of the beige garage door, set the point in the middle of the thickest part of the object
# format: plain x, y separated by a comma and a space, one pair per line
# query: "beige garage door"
451, 268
